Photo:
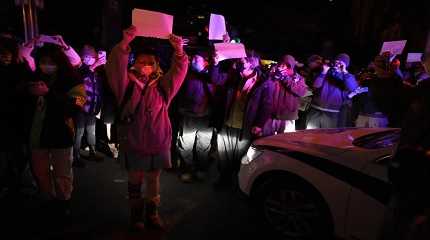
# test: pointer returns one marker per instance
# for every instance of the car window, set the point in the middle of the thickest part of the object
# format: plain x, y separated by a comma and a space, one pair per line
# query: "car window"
378, 140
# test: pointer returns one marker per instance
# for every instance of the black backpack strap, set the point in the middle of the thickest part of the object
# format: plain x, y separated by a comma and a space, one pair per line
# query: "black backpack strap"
145, 88
127, 95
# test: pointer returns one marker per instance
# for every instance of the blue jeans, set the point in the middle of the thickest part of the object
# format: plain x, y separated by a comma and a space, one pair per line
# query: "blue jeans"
84, 122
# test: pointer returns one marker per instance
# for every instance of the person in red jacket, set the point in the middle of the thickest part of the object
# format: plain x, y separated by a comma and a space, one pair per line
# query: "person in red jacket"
289, 87
144, 94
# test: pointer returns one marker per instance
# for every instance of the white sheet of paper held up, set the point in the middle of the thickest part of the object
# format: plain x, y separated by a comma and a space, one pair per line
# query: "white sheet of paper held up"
230, 50
395, 47
152, 24
217, 28
414, 57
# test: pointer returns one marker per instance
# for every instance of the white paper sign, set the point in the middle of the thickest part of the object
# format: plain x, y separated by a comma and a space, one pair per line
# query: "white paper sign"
414, 57
230, 50
152, 24
395, 47
217, 27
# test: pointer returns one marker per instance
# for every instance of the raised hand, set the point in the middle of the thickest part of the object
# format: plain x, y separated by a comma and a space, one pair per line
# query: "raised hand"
226, 38
128, 35
215, 58
325, 68
61, 42
33, 43
177, 43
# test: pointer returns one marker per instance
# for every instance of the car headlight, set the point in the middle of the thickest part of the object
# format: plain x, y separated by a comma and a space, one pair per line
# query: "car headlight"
251, 154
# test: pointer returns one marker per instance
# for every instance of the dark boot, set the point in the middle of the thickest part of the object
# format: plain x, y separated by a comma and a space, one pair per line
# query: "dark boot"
136, 215
137, 205
152, 218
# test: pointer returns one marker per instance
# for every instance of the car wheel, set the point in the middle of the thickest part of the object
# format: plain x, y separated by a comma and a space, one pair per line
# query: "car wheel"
294, 210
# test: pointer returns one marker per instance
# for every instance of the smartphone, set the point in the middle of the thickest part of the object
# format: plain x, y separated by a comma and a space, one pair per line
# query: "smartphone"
101, 54
49, 39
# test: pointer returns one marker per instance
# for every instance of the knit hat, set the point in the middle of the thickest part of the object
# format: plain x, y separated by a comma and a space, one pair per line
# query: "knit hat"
290, 60
203, 54
314, 58
88, 50
343, 57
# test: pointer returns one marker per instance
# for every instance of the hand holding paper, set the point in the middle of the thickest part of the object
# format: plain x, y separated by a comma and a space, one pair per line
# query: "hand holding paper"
128, 35
229, 50
226, 38
152, 24
177, 44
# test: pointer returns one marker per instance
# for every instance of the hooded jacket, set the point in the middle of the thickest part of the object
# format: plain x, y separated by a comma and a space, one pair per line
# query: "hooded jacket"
150, 132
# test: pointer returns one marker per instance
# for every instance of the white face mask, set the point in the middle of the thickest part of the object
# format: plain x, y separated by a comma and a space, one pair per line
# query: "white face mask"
48, 68
89, 61
146, 70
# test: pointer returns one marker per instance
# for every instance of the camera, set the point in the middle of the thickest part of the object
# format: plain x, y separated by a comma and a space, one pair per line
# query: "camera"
277, 75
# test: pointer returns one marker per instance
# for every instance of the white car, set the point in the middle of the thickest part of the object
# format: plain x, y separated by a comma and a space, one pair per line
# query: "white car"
322, 182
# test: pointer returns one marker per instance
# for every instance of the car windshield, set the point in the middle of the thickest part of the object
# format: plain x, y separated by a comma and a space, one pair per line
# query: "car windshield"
378, 140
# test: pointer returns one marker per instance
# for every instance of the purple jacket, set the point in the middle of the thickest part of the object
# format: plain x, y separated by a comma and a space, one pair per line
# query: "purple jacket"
150, 132
93, 88
331, 90
195, 94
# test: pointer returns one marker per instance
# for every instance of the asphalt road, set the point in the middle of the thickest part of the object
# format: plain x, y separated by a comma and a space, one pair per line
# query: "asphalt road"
100, 210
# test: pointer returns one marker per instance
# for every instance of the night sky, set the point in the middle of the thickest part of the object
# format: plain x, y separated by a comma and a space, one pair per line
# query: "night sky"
271, 27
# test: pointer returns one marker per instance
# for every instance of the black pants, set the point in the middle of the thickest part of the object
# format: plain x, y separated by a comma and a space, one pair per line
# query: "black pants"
232, 146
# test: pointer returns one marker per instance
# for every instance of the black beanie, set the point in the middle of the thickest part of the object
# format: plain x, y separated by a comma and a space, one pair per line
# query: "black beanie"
344, 58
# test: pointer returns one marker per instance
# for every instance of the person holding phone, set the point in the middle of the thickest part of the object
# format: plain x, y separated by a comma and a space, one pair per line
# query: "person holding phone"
331, 88
57, 95
289, 87
92, 74
26, 50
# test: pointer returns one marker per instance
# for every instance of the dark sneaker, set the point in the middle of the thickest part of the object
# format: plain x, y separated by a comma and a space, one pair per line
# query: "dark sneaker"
155, 222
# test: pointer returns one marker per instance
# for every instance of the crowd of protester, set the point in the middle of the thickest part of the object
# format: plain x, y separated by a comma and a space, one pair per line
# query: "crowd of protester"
53, 97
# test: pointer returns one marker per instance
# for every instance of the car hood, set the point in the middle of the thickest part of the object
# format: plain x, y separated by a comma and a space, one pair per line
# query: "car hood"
320, 142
